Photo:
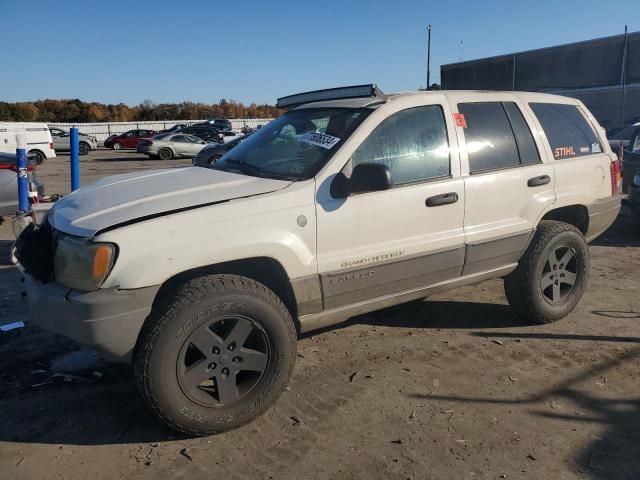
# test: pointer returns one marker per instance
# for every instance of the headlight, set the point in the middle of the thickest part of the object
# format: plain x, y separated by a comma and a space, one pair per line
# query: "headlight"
636, 180
82, 265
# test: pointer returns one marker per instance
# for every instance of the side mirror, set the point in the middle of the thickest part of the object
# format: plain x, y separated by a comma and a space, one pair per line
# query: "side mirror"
365, 177
369, 177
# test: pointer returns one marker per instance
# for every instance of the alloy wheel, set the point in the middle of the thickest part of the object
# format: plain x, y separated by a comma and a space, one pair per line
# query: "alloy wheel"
221, 362
559, 274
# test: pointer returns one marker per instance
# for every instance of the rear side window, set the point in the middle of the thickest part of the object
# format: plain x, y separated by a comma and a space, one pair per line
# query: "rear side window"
568, 131
412, 143
497, 136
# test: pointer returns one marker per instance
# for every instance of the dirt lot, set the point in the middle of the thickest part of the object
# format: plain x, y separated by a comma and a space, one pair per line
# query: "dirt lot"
456, 387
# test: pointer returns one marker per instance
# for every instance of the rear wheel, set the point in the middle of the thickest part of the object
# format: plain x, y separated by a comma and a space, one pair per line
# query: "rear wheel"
84, 148
216, 355
37, 156
552, 275
165, 154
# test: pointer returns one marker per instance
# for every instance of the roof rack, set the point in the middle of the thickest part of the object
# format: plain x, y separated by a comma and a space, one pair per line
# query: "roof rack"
340, 93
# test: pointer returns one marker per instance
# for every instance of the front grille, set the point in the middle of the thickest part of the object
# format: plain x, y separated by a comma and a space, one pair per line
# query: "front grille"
35, 251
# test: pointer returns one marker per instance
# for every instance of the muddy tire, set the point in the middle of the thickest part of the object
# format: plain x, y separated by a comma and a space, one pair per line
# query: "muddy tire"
216, 354
552, 275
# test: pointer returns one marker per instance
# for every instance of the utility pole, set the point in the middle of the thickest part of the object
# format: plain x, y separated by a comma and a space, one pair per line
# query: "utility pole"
428, 57
623, 74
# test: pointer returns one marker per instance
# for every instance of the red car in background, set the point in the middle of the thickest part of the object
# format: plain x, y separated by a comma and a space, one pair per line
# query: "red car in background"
128, 139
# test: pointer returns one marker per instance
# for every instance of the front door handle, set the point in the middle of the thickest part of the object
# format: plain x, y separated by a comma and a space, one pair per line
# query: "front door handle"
537, 181
443, 199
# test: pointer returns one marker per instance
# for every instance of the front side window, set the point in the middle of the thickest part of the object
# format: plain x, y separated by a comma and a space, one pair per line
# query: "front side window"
413, 143
131, 133
292, 146
568, 131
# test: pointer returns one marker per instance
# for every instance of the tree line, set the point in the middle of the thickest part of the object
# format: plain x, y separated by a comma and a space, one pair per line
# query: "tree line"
77, 111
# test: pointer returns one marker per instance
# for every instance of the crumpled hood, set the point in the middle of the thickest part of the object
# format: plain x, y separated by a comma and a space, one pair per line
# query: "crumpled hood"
124, 198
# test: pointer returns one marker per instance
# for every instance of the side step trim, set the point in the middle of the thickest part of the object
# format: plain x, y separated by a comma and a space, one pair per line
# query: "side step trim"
333, 316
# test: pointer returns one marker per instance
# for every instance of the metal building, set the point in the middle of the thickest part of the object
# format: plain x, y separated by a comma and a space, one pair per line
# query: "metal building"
604, 73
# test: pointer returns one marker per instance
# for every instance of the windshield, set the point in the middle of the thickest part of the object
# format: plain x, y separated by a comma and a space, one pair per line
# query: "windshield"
294, 146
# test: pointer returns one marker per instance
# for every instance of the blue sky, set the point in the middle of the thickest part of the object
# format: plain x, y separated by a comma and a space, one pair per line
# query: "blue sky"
168, 51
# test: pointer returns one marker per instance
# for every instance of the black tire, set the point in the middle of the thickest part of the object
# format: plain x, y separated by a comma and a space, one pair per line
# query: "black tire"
165, 154
37, 156
84, 148
213, 159
117, 146
552, 274
210, 311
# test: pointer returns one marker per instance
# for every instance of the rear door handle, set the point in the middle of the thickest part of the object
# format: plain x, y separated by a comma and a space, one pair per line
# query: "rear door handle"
537, 181
443, 199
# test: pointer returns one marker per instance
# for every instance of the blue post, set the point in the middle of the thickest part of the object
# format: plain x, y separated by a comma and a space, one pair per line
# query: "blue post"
75, 159
23, 181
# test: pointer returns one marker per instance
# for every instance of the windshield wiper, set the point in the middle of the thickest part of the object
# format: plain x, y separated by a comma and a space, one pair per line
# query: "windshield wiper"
254, 170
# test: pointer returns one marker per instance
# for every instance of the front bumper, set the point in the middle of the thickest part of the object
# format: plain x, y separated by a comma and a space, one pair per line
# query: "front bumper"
601, 215
108, 320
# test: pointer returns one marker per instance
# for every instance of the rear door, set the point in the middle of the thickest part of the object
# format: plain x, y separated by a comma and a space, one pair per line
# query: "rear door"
507, 183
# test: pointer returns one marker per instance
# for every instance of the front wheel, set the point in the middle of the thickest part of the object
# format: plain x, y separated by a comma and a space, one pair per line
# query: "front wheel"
216, 355
117, 146
552, 275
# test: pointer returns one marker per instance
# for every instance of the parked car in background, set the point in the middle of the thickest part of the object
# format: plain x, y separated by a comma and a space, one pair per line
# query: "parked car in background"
128, 139
631, 160
61, 141
170, 145
177, 127
205, 132
37, 136
622, 137
221, 124
9, 183
633, 195
209, 154
229, 136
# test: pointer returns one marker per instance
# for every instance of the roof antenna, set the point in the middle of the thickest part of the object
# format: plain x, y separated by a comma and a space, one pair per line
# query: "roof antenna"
460, 50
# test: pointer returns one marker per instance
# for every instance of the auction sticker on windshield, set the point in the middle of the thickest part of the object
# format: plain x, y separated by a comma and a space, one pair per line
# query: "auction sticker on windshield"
319, 139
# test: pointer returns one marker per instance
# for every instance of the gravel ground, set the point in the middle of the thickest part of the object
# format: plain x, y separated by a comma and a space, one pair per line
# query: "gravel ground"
453, 387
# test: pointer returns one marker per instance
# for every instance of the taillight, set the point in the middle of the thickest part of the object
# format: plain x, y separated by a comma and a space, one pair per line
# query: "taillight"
615, 177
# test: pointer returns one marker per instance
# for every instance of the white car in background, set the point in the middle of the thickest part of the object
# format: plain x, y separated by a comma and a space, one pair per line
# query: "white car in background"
169, 145
62, 143
37, 136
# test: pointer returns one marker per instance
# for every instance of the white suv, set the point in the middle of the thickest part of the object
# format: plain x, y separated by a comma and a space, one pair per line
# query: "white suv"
351, 201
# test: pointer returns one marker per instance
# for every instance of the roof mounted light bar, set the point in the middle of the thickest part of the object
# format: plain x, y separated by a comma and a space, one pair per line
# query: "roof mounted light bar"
340, 93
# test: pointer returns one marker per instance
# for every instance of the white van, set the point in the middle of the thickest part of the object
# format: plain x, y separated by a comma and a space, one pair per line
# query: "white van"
39, 141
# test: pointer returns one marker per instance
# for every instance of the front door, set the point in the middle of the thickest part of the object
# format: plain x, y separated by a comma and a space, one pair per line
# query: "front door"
380, 243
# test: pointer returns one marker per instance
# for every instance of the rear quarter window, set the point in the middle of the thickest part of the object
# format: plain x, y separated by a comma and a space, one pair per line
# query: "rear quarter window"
569, 133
